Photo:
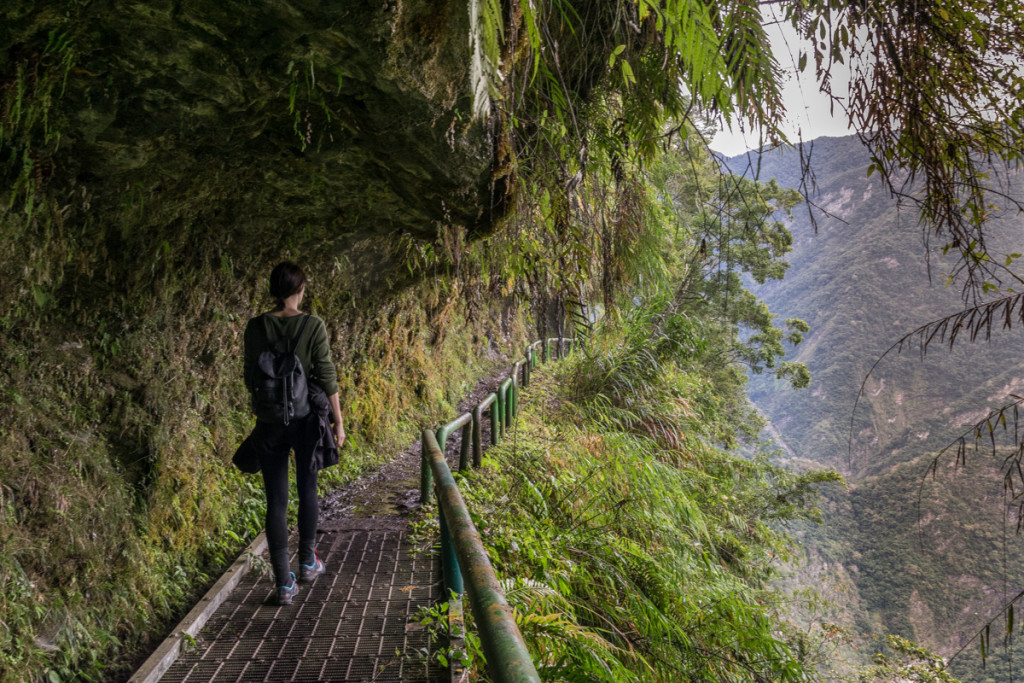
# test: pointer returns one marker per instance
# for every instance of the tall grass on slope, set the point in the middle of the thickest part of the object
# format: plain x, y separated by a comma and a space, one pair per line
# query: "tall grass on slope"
635, 549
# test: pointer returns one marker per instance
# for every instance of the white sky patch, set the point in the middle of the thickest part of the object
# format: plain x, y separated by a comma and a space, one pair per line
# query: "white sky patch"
808, 112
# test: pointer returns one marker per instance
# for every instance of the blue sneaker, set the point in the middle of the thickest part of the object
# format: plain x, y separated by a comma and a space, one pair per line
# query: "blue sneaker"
286, 593
309, 572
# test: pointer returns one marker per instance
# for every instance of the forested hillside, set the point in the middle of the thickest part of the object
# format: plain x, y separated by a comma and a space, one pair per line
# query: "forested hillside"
449, 174
862, 280
925, 557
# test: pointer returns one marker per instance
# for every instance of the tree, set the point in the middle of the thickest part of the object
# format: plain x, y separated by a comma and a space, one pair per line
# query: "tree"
909, 662
586, 93
936, 92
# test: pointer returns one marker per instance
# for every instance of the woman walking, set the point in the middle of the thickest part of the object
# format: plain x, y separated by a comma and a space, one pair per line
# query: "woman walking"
272, 340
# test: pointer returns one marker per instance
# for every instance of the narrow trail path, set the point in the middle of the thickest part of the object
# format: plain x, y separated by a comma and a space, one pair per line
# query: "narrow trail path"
355, 622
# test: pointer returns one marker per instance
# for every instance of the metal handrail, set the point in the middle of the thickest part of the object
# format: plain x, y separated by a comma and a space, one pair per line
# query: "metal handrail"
508, 660
461, 548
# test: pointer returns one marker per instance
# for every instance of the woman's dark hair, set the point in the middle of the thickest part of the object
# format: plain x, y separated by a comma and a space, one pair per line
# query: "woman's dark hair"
286, 279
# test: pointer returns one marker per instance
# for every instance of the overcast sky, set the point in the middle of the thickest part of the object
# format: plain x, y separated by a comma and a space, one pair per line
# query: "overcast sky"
807, 109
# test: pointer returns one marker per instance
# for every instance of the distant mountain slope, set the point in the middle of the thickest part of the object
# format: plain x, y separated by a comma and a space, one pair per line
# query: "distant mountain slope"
861, 282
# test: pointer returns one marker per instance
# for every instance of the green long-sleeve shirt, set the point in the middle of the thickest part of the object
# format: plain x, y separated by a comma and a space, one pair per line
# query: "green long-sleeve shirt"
312, 348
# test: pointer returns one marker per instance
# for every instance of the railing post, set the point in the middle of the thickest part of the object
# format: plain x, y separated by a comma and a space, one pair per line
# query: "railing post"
500, 407
505, 401
478, 434
514, 402
449, 560
425, 477
495, 421
467, 437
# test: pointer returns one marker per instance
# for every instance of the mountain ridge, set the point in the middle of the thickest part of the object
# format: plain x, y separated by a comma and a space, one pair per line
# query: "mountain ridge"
862, 275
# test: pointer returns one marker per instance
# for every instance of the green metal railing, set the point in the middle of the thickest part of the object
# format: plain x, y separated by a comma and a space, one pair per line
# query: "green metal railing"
506, 399
462, 552
508, 660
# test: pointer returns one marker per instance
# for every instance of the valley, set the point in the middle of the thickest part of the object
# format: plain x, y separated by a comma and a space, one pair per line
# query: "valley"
930, 558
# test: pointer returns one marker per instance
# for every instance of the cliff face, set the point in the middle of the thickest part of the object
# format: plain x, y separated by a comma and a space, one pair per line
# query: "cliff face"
156, 160
355, 117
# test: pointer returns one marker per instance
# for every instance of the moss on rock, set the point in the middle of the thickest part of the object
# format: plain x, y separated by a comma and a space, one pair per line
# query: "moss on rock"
156, 160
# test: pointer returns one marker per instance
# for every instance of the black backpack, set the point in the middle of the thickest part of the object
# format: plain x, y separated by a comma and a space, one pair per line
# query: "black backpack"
280, 390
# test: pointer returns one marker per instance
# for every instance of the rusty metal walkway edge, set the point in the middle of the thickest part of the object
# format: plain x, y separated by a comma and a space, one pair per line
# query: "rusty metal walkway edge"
164, 656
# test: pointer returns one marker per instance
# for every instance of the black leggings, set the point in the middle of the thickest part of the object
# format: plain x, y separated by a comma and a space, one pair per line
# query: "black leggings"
275, 442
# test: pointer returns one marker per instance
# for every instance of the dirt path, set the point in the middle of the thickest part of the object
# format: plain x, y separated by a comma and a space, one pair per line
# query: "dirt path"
386, 496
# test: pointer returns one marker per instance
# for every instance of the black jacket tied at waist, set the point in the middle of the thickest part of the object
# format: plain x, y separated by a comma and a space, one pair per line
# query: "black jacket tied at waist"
316, 434
318, 430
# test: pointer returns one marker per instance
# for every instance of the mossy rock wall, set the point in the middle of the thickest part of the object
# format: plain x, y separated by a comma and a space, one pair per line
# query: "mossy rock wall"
156, 160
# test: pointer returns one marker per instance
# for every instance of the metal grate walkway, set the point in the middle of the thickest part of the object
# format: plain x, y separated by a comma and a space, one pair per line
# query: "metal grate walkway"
354, 623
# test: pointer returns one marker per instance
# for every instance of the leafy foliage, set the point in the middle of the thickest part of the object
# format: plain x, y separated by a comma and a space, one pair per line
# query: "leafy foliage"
909, 662
936, 94
636, 560
589, 92
643, 550
147, 189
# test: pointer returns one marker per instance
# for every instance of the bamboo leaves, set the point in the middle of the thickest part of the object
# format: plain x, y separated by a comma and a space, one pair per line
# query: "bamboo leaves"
638, 565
